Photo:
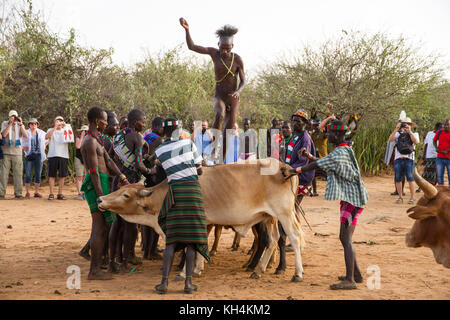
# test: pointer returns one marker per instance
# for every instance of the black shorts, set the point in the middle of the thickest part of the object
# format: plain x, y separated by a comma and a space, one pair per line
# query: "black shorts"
58, 165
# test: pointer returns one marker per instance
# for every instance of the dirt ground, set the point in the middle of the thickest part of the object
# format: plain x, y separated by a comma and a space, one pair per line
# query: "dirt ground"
40, 239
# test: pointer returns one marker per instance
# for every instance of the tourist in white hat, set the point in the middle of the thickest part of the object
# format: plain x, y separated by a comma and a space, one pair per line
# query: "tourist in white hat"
12, 131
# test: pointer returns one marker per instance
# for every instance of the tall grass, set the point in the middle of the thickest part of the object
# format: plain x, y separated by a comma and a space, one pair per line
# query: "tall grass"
370, 147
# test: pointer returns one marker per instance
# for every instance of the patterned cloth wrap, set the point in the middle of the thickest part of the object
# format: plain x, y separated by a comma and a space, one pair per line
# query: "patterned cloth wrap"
91, 196
429, 171
349, 213
182, 216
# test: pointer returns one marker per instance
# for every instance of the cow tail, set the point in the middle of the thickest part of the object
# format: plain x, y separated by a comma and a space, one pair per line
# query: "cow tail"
297, 222
298, 225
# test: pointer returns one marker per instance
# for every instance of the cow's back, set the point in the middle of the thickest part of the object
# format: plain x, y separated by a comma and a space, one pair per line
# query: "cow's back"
241, 189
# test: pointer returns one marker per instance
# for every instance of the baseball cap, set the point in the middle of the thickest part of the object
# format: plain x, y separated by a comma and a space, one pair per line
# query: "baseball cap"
59, 118
13, 113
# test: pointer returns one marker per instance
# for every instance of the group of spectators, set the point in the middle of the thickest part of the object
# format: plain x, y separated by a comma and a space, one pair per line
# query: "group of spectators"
26, 147
436, 155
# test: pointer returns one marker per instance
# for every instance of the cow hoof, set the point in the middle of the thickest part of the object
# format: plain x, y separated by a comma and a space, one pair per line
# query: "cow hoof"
296, 278
280, 271
254, 275
196, 275
178, 278
212, 253
250, 269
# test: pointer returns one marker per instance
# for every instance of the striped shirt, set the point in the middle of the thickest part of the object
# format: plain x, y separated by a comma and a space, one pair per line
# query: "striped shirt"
344, 179
178, 158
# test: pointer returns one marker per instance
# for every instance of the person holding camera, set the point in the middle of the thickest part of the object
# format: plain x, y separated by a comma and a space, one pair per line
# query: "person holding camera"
12, 132
34, 148
203, 141
58, 157
405, 142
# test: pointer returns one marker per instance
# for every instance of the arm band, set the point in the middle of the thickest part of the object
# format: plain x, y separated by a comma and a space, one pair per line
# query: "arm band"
91, 171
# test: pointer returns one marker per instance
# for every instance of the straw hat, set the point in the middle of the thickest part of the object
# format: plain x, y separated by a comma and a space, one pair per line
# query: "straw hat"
408, 121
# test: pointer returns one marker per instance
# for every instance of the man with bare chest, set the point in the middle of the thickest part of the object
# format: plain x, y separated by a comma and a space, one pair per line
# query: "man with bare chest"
99, 167
227, 66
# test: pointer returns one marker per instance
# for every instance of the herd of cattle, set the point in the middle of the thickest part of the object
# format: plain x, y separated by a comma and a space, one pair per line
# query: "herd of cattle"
242, 196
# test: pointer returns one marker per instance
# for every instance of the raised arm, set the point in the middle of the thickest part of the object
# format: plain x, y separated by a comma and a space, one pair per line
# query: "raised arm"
190, 43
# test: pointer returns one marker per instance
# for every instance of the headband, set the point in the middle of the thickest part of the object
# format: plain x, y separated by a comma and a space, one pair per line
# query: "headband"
336, 127
170, 123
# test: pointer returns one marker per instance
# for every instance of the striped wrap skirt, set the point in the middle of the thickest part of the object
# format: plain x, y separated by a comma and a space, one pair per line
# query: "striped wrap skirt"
182, 217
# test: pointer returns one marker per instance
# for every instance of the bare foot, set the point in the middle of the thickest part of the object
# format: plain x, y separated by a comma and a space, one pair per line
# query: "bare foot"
357, 279
135, 260
99, 275
344, 285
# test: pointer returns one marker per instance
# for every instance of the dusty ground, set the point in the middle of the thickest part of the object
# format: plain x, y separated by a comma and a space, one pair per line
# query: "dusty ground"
45, 237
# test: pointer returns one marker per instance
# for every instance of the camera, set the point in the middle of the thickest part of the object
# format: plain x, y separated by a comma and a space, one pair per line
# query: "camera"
403, 125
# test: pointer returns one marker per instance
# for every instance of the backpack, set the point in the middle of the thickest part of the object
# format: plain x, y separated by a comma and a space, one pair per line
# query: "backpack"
404, 143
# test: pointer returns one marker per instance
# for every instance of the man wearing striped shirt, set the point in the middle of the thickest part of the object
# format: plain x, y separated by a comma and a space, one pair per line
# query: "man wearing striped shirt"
343, 183
182, 216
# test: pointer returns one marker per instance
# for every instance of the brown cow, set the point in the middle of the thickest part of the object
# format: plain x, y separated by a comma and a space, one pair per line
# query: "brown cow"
432, 226
239, 194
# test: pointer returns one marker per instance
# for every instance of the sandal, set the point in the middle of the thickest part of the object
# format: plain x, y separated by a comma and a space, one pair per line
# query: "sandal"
344, 285
27, 195
411, 201
51, 196
399, 201
60, 197
37, 195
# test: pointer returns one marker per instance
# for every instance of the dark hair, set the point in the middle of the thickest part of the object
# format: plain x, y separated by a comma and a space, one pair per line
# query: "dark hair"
286, 123
226, 31
111, 115
134, 115
157, 123
438, 126
94, 113
168, 130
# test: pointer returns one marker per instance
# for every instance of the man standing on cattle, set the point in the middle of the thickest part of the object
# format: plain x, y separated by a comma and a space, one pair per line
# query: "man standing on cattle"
96, 184
128, 145
227, 66
182, 216
343, 183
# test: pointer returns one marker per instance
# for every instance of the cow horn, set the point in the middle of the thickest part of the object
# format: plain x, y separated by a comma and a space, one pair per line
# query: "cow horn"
145, 193
428, 189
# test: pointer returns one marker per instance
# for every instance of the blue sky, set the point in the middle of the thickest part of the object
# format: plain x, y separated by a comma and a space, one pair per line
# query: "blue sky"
267, 29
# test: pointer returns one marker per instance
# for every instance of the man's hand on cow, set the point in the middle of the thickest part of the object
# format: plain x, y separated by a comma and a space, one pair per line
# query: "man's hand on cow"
303, 153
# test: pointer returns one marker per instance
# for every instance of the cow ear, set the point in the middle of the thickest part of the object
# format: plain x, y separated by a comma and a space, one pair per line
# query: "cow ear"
145, 193
421, 212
